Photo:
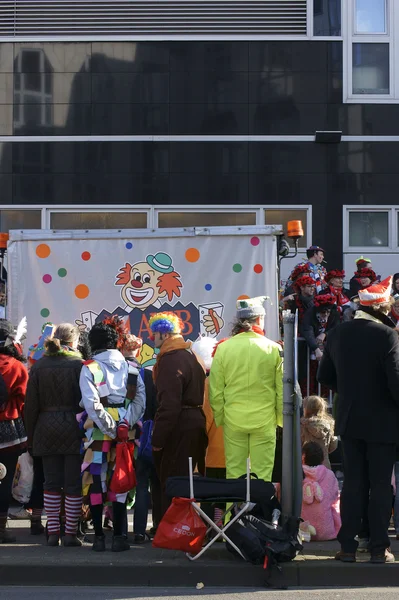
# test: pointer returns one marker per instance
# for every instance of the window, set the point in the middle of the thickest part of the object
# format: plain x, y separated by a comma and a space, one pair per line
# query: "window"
281, 216
98, 220
372, 71
19, 219
369, 229
326, 18
205, 219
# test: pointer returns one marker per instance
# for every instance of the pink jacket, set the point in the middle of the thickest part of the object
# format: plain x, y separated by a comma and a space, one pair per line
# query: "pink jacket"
320, 502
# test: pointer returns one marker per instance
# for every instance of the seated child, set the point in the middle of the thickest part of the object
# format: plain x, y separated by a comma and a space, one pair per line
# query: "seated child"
318, 426
320, 499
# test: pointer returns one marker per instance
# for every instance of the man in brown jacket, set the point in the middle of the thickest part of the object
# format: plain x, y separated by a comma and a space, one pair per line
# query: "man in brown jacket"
180, 426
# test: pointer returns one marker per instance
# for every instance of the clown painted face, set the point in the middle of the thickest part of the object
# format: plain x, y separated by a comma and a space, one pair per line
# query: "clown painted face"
144, 285
141, 290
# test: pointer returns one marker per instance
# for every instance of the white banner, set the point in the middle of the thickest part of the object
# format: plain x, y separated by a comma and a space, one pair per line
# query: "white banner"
81, 278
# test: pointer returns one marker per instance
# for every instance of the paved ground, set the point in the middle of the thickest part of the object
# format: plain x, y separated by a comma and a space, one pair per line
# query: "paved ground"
146, 566
67, 593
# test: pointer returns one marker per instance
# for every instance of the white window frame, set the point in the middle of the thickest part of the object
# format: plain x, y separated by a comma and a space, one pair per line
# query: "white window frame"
392, 228
350, 37
154, 210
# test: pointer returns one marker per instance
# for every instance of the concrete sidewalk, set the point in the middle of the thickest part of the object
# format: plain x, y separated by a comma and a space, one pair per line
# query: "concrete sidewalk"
31, 562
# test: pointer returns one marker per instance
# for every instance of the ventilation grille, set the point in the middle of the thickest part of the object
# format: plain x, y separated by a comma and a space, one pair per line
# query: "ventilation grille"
164, 17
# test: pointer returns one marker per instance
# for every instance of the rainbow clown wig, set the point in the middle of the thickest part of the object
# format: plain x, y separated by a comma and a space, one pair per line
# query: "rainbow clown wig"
165, 322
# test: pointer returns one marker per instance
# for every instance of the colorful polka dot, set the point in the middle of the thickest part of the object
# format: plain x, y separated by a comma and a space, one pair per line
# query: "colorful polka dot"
62, 272
255, 241
47, 278
237, 268
192, 255
82, 291
243, 297
44, 312
208, 287
43, 250
129, 245
258, 268
86, 256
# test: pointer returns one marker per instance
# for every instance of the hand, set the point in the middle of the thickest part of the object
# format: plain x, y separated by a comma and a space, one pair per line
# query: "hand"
213, 323
321, 337
122, 431
318, 354
290, 297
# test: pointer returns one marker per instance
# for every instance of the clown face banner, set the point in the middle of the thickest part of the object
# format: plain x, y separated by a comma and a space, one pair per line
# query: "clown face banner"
82, 278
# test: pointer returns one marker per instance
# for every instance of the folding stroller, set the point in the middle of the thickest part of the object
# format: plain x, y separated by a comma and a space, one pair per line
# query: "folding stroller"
241, 493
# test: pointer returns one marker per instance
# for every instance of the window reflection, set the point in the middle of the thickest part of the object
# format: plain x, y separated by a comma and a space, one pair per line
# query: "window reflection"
371, 16
368, 228
327, 17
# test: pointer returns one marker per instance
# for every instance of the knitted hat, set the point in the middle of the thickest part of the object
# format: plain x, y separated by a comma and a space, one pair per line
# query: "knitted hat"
366, 272
251, 307
304, 280
376, 294
165, 322
131, 343
324, 301
332, 274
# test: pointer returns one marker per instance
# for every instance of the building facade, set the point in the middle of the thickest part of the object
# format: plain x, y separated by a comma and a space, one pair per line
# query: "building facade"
133, 114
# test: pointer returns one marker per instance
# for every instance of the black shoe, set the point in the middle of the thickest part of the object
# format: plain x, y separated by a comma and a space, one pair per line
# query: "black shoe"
36, 528
119, 543
72, 541
53, 539
152, 531
139, 538
348, 557
99, 543
384, 556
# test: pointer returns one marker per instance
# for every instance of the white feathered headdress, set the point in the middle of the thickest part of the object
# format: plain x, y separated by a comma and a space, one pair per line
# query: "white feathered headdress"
22, 328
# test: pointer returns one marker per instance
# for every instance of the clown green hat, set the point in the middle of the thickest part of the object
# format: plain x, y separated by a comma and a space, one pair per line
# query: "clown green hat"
160, 262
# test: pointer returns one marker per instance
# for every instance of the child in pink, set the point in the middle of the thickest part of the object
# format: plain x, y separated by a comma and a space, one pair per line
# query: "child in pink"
320, 499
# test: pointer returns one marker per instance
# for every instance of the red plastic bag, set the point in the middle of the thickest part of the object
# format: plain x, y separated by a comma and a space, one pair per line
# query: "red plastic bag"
124, 476
181, 528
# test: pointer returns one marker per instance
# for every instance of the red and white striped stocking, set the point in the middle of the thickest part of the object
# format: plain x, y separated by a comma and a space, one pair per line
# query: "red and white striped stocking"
73, 511
52, 506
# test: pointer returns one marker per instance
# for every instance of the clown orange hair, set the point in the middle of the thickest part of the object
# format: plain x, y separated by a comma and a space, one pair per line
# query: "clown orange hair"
123, 277
169, 283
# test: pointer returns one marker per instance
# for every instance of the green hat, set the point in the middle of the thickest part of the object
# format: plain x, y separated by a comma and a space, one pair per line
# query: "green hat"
161, 262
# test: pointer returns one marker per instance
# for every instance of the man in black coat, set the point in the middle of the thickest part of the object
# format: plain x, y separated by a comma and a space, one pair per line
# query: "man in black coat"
361, 362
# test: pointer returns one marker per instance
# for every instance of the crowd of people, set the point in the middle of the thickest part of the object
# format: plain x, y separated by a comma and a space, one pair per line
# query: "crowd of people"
80, 395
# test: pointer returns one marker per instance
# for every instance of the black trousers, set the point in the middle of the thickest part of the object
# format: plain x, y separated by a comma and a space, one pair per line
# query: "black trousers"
9, 460
366, 464
62, 471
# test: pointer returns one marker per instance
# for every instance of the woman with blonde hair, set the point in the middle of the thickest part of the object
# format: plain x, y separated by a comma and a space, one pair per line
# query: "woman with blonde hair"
52, 402
318, 426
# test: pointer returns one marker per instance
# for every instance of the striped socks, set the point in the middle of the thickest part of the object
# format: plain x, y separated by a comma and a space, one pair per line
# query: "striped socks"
73, 511
52, 506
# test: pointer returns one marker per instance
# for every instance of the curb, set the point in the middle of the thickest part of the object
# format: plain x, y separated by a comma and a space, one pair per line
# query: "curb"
318, 573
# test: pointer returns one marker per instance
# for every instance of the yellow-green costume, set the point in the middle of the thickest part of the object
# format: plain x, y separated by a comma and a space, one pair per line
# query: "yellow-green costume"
246, 396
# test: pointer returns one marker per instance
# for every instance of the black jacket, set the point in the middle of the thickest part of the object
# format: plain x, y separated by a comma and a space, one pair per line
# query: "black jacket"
51, 405
361, 362
311, 325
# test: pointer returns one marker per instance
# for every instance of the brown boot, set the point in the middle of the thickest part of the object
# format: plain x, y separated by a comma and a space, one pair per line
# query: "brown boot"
5, 536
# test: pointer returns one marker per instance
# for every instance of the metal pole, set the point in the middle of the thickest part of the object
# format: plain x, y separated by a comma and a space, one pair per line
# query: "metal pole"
287, 480
296, 441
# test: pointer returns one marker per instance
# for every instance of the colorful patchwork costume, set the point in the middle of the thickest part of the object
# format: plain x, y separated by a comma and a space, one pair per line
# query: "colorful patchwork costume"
112, 391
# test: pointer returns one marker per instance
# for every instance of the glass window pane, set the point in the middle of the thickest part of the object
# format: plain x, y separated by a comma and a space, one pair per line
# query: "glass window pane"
281, 216
19, 219
370, 16
370, 69
204, 219
100, 220
368, 229
326, 17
